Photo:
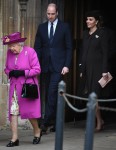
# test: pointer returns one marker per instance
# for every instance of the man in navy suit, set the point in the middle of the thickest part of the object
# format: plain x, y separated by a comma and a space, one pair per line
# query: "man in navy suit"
54, 49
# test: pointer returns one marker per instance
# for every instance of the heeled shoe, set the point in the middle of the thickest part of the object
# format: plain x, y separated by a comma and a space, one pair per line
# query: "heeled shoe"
12, 144
99, 129
37, 140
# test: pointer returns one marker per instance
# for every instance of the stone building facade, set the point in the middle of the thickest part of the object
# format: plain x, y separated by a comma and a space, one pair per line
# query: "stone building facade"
23, 16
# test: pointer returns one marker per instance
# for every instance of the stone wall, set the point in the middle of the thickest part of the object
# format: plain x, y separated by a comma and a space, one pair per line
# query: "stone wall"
12, 19
3, 87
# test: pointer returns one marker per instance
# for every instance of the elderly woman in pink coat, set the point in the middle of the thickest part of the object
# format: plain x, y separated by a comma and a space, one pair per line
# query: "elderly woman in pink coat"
21, 63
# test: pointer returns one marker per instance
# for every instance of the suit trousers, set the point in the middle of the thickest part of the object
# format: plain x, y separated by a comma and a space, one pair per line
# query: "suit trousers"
51, 80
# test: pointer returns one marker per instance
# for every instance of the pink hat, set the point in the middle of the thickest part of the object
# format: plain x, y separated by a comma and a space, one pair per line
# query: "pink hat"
13, 38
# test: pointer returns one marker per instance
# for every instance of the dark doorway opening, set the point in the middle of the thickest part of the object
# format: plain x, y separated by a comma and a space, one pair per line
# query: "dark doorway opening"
74, 12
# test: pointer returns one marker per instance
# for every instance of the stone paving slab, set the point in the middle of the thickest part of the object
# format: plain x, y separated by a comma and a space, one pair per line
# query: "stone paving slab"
74, 135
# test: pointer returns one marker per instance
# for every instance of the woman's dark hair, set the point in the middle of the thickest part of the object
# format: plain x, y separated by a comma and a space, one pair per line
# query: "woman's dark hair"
97, 15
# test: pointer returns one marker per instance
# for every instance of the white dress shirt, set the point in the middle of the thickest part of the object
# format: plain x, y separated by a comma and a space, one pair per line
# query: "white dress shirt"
54, 26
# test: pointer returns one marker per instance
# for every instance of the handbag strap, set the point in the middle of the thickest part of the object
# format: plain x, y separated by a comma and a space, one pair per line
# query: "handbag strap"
27, 76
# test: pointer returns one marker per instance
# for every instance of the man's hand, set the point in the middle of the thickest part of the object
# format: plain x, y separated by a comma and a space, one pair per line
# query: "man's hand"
64, 70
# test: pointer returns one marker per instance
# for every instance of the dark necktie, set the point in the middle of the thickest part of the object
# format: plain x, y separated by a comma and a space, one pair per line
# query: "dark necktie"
51, 32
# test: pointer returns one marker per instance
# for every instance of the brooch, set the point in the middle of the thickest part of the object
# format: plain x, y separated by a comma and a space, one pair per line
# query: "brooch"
25, 53
7, 39
96, 36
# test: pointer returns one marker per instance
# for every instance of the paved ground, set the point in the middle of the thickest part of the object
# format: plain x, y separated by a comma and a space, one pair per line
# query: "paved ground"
74, 135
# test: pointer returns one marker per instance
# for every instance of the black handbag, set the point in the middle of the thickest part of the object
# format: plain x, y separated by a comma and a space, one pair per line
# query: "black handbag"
29, 90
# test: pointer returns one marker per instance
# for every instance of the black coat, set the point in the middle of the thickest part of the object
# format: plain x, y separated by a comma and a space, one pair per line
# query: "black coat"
94, 60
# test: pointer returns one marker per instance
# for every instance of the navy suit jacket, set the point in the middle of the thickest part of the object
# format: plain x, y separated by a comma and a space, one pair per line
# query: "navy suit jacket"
60, 50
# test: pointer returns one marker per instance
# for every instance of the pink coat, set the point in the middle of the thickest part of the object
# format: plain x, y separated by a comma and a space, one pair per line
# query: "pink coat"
27, 60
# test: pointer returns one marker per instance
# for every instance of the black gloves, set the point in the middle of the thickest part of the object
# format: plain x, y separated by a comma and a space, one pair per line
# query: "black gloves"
16, 73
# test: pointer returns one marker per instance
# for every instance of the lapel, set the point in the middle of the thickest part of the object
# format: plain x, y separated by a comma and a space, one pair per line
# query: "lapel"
45, 31
57, 31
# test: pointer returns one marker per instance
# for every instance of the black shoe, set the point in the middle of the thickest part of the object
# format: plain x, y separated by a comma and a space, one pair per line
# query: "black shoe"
53, 129
44, 128
12, 144
37, 140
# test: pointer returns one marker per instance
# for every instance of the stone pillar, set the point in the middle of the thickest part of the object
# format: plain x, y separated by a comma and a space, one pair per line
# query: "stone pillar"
3, 87
23, 16
23, 25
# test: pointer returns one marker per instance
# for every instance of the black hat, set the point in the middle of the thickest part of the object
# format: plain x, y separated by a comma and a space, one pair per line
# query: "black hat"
95, 13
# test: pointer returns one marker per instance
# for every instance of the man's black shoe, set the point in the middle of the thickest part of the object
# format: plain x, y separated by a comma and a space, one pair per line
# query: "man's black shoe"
53, 129
43, 128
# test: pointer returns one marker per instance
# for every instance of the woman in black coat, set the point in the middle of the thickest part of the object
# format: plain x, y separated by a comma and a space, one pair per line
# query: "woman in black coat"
94, 59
